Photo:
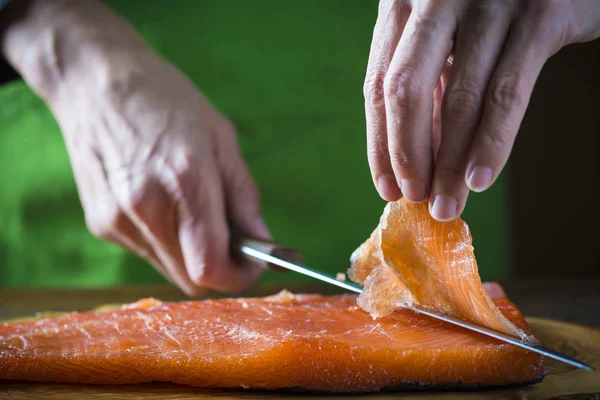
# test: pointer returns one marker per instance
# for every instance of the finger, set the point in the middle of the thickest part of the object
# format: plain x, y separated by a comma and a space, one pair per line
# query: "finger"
242, 198
527, 49
154, 213
129, 237
390, 23
481, 36
438, 96
409, 85
204, 235
103, 215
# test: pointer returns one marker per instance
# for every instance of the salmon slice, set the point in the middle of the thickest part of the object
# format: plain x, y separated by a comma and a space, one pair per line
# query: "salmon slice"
284, 341
412, 259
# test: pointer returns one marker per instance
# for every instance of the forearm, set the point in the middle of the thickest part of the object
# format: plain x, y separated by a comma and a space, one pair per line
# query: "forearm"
53, 43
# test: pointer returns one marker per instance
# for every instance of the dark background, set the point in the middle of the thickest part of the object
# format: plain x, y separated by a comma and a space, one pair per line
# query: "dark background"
553, 184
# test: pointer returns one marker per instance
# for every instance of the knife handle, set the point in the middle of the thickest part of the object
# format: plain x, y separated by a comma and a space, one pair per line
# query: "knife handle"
266, 247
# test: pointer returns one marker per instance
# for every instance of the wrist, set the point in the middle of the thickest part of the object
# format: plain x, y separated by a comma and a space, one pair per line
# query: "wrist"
58, 44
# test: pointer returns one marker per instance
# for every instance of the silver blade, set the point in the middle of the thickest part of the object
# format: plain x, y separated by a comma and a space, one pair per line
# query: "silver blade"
302, 269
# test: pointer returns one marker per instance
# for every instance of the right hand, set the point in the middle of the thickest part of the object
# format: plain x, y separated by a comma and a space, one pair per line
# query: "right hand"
157, 167
447, 86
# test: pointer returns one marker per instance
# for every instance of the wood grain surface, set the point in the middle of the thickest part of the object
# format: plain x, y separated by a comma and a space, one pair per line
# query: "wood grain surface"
561, 382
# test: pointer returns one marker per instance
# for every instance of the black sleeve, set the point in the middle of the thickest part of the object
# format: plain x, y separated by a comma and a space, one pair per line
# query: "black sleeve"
7, 73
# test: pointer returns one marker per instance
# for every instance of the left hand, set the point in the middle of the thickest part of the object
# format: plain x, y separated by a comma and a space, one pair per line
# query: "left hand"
157, 166
437, 128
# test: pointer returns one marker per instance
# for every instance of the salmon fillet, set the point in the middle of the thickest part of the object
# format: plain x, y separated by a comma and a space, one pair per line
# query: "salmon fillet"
302, 341
412, 259
279, 342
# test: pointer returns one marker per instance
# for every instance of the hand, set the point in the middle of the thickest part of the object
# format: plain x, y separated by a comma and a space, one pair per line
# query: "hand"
157, 166
447, 86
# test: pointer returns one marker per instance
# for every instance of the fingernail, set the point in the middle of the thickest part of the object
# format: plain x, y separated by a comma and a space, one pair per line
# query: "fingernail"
479, 179
260, 229
444, 208
388, 188
413, 191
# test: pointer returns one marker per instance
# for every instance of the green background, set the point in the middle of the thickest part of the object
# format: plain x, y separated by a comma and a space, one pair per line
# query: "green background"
289, 75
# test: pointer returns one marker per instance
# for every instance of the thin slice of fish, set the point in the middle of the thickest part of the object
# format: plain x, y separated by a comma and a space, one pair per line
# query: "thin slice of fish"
412, 259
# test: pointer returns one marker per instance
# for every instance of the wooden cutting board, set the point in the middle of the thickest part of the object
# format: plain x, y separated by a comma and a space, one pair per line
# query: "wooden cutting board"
562, 381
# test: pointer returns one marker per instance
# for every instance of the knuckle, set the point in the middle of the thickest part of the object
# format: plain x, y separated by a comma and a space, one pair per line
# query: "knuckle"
403, 87
546, 8
148, 199
486, 10
120, 85
135, 188
462, 100
377, 149
403, 159
373, 89
427, 23
97, 228
507, 94
430, 27
181, 165
547, 22
135, 200
226, 127
104, 225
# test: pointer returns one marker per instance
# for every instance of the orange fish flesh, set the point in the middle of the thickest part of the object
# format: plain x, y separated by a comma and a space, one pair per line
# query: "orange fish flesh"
412, 259
310, 342
280, 342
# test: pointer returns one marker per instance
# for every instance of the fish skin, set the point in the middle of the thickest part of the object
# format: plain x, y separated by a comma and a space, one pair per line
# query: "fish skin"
275, 343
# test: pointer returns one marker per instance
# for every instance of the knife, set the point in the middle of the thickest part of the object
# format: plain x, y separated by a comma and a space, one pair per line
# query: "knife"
270, 255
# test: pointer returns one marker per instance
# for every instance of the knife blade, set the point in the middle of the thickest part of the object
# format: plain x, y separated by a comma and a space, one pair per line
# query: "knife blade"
269, 254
